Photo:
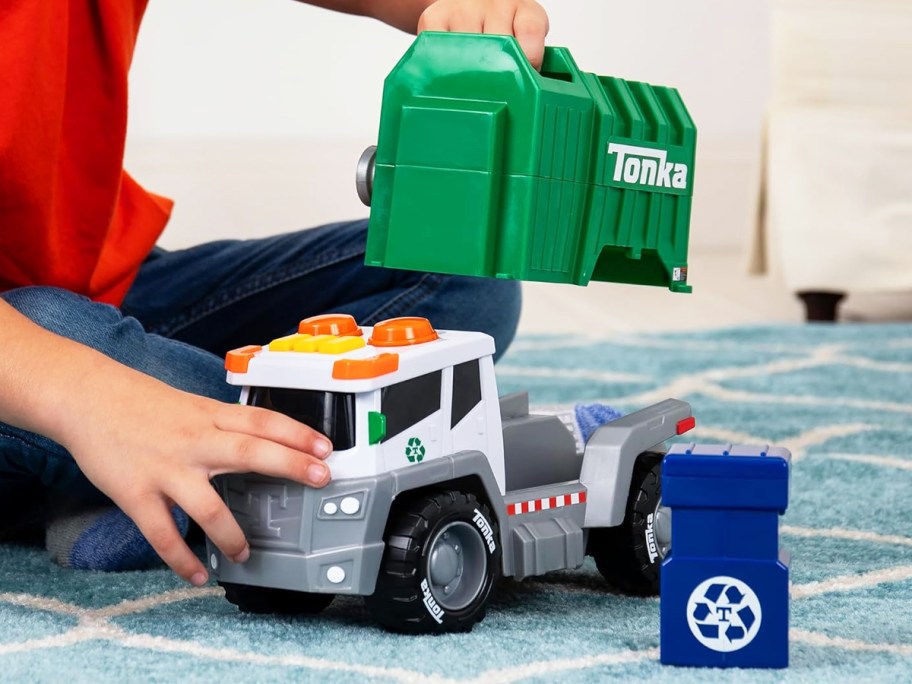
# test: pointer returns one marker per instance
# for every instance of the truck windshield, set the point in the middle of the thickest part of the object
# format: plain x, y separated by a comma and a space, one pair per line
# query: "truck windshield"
329, 413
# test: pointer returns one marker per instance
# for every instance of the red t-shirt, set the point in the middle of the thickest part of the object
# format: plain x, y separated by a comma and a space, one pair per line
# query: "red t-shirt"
70, 216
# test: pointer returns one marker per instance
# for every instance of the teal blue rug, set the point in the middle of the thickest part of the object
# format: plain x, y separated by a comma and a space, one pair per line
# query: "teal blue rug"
839, 397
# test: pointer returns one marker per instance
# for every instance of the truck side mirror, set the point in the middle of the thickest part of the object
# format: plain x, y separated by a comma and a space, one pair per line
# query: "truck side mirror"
376, 427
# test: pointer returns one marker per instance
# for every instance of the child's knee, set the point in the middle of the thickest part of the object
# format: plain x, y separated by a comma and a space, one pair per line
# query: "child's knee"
503, 313
59, 310
94, 324
487, 305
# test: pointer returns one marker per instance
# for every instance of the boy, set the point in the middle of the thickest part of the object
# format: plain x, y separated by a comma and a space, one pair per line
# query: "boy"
112, 391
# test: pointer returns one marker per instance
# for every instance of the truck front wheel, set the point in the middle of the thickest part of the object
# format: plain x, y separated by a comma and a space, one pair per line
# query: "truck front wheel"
630, 555
441, 558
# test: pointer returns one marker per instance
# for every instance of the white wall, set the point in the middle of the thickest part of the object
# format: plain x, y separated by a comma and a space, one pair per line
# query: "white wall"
252, 113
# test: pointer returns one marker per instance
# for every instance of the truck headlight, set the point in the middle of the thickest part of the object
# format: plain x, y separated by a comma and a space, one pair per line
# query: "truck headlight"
346, 506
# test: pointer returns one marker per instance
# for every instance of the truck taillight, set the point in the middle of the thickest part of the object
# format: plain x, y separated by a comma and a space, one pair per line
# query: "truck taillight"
686, 424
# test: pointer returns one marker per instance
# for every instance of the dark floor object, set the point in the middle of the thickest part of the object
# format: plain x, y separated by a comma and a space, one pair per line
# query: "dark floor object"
270, 601
821, 306
23, 512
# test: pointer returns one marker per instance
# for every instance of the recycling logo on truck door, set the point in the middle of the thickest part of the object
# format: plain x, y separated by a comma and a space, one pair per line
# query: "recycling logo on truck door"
724, 614
414, 450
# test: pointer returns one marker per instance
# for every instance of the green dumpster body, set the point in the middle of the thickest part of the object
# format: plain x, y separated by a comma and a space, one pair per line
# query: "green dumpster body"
486, 167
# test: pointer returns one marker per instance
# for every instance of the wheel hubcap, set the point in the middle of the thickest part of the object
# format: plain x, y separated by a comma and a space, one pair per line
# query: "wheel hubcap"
661, 527
457, 565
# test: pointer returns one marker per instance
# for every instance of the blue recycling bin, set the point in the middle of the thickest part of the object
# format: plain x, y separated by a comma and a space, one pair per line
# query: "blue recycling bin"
724, 586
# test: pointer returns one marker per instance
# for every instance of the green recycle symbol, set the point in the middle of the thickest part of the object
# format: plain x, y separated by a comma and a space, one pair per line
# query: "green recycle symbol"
414, 451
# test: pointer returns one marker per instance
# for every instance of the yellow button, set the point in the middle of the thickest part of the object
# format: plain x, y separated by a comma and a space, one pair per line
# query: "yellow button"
339, 345
310, 343
287, 343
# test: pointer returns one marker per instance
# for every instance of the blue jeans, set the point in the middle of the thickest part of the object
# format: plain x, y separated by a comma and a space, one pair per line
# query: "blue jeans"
188, 307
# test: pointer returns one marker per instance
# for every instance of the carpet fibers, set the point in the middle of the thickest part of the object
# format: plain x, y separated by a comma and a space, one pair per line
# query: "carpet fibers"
840, 398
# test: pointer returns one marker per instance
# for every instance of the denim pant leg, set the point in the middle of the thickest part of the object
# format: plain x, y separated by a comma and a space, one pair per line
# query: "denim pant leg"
227, 294
29, 461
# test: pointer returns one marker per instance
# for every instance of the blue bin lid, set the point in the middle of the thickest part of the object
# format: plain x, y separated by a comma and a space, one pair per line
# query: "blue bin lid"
741, 461
726, 476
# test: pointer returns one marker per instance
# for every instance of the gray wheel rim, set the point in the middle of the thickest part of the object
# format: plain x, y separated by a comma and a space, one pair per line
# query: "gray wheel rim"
661, 528
364, 174
457, 565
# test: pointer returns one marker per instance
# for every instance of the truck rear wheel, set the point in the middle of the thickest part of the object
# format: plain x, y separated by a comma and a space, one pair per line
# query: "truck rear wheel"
441, 559
630, 555
268, 600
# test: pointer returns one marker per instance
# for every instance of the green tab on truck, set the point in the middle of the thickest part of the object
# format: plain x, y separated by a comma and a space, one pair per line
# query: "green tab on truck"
486, 167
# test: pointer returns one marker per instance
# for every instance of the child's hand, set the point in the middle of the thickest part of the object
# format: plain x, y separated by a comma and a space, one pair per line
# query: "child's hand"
525, 19
145, 444
149, 446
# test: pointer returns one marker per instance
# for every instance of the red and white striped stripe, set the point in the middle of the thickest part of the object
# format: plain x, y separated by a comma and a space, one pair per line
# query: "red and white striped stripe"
548, 502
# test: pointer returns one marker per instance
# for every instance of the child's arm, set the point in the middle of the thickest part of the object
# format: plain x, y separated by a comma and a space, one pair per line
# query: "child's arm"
525, 19
145, 444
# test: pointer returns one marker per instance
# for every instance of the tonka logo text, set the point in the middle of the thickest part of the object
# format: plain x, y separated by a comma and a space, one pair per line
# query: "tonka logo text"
486, 530
432, 606
651, 548
647, 166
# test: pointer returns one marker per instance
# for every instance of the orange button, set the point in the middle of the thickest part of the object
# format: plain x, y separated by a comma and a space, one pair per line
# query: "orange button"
399, 332
237, 360
330, 324
361, 369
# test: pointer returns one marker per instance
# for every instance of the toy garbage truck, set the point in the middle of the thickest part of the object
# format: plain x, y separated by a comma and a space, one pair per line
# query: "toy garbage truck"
486, 167
438, 485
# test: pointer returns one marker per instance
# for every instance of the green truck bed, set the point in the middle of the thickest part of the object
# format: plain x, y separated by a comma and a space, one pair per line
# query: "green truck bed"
486, 167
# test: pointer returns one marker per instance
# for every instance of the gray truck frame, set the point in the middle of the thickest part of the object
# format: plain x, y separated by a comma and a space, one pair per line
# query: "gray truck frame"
428, 540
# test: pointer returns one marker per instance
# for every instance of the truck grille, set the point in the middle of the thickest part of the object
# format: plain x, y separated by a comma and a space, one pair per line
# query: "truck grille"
269, 511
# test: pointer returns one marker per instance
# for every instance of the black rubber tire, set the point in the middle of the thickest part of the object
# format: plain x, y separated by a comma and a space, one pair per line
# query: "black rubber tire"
405, 599
266, 600
624, 554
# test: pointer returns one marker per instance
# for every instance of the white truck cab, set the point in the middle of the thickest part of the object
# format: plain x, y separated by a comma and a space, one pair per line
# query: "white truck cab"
396, 394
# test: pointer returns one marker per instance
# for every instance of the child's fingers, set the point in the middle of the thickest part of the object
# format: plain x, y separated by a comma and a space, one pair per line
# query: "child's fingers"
500, 21
153, 518
530, 26
433, 20
275, 427
525, 19
202, 503
244, 454
449, 15
466, 19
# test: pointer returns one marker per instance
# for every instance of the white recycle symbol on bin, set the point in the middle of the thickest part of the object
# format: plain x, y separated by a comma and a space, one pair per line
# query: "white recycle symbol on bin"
724, 614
